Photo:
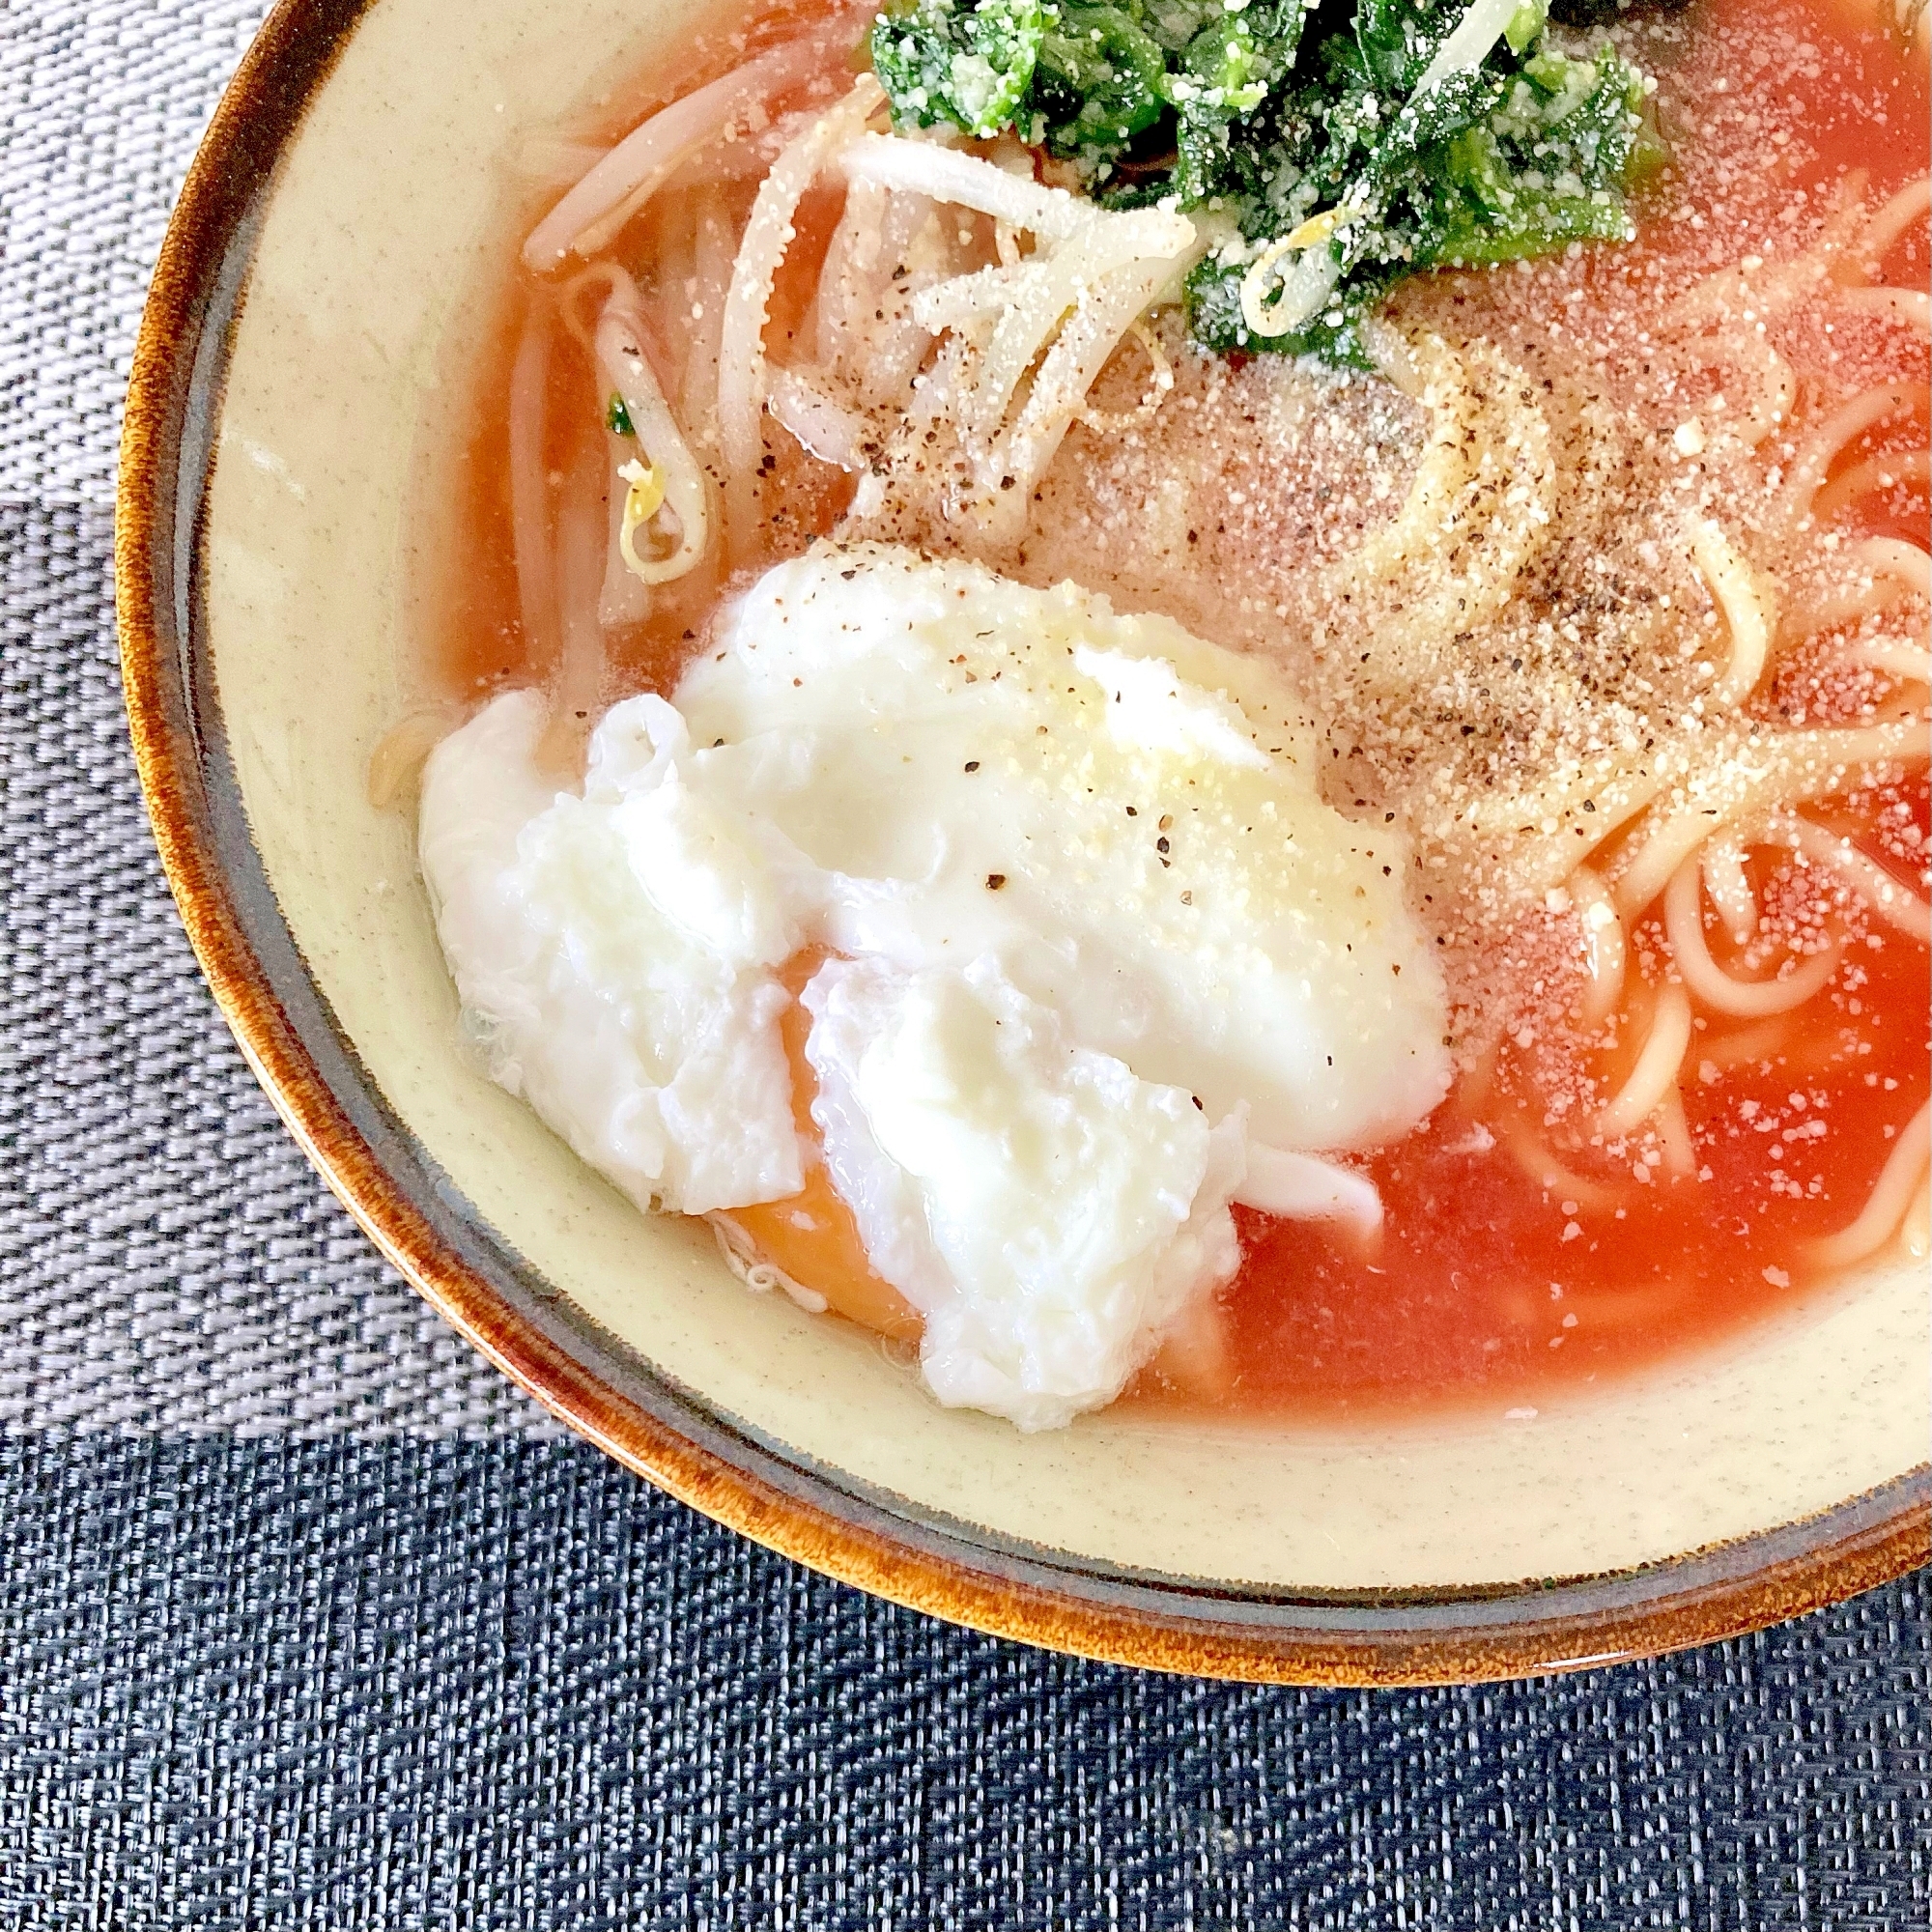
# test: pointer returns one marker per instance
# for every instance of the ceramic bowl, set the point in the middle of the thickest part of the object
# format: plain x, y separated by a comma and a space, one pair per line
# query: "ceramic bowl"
288, 391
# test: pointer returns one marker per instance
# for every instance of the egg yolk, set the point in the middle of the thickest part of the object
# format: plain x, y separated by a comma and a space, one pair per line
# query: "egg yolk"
812, 1234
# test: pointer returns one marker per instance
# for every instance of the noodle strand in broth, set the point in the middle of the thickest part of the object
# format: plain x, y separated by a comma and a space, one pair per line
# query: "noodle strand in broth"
1608, 582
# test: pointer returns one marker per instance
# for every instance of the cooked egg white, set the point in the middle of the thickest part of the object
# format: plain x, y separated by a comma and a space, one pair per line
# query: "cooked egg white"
1047, 1211
615, 954
1124, 816
1103, 961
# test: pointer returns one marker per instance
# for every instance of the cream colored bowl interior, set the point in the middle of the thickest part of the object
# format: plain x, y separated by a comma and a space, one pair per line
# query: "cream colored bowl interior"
379, 227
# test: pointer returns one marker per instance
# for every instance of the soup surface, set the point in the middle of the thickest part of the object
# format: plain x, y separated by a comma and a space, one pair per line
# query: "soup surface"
1604, 588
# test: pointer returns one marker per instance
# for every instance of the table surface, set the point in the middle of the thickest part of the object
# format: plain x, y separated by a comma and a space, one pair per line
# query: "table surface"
308, 1619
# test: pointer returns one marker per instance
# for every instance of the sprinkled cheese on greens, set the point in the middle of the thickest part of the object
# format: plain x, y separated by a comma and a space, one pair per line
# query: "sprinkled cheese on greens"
1343, 148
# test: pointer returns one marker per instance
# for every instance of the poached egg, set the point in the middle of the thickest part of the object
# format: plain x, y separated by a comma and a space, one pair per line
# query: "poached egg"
1099, 960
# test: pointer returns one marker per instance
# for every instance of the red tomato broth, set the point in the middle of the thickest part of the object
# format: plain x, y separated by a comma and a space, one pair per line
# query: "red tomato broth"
1868, 114
1456, 1303
479, 642
1478, 1294
473, 640
1478, 1291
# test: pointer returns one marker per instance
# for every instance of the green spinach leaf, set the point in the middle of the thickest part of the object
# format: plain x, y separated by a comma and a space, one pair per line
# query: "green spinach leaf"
1275, 111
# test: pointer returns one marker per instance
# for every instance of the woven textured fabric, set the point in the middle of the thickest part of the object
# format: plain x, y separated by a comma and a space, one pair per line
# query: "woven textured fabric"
307, 1619
448, 1683
101, 107
167, 1259
167, 1256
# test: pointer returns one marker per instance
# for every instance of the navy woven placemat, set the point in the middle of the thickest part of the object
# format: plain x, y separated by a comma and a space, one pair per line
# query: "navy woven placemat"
408, 1683
308, 1619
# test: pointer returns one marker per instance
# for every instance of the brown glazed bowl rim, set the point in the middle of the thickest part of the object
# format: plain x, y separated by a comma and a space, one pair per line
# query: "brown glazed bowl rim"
662, 1433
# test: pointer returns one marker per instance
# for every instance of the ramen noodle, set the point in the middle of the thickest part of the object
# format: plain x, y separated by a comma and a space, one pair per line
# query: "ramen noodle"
1263, 820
